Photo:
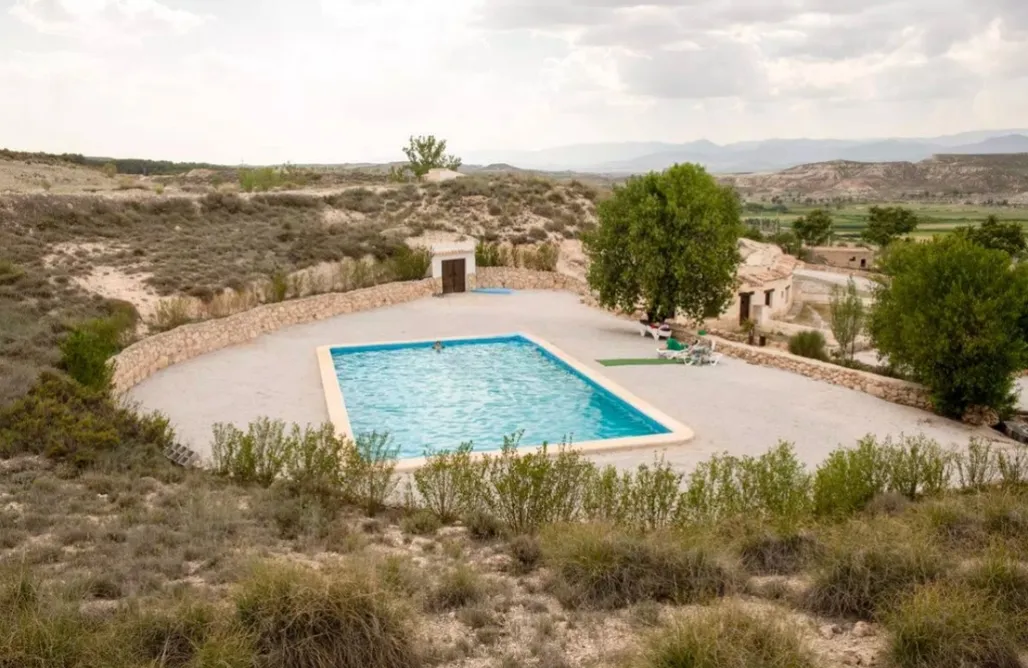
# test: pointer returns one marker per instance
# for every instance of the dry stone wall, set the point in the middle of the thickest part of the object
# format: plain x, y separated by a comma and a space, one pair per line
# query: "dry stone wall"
891, 389
145, 358
527, 279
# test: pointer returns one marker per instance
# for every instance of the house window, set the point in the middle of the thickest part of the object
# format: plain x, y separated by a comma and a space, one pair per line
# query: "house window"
768, 295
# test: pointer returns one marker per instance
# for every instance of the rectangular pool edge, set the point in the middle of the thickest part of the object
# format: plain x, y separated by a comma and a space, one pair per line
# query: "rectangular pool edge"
676, 434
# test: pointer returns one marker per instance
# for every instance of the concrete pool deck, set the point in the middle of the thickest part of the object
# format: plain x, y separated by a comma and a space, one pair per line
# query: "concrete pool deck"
733, 407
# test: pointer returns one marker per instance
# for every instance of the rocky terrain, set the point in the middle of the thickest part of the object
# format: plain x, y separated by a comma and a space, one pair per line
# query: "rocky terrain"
954, 178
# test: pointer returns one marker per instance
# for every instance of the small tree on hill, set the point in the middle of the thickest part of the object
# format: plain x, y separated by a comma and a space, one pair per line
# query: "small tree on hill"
669, 240
815, 228
848, 315
1007, 237
953, 313
888, 223
425, 153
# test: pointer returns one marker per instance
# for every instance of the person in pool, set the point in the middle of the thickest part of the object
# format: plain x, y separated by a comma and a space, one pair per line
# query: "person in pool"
437, 346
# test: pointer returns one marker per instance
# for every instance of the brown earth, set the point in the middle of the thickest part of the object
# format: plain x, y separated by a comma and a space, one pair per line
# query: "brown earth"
995, 176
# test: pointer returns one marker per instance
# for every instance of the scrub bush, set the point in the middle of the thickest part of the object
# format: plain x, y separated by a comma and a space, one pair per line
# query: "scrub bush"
299, 618
864, 573
810, 343
726, 637
941, 626
604, 567
84, 427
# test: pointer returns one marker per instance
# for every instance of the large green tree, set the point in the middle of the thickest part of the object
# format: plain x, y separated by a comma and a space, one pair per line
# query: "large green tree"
1008, 237
884, 224
952, 313
425, 153
667, 241
815, 228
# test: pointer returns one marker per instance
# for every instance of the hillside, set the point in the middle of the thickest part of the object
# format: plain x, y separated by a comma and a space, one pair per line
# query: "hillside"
973, 177
75, 243
750, 156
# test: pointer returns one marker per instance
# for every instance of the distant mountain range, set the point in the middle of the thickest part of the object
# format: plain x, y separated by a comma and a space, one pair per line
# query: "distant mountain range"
752, 156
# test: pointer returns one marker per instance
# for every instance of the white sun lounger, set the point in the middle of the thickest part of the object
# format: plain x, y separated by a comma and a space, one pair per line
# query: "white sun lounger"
656, 332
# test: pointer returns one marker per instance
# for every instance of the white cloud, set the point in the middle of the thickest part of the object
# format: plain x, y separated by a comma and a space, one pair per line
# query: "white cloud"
331, 80
105, 22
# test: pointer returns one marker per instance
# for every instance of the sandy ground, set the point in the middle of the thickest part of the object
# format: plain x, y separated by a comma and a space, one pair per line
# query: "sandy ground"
734, 407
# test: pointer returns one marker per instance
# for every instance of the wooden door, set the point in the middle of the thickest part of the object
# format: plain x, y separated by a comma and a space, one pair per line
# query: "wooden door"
453, 276
744, 306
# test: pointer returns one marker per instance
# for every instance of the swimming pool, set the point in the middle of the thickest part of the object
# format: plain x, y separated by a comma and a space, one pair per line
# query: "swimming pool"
479, 390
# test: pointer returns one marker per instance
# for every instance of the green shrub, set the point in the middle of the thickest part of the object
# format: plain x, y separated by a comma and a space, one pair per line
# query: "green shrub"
420, 523
810, 343
302, 619
257, 455
607, 497
850, 478
942, 626
864, 573
277, 289
524, 491
976, 467
917, 467
447, 482
314, 459
488, 254
773, 486
171, 313
86, 351
725, 637
604, 567
410, 264
649, 498
261, 179
68, 422
1012, 465
543, 257
370, 471
456, 588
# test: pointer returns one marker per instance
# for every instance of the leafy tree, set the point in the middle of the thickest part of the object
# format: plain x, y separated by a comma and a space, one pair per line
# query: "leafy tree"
426, 152
953, 314
669, 240
887, 223
815, 228
1007, 237
848, 315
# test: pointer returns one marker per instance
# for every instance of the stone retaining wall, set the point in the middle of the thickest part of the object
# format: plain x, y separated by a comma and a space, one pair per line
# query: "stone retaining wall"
891, 389
145, 358
527, 279
839, 270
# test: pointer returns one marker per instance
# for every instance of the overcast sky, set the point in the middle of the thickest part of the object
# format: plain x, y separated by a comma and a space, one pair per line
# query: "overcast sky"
348, 80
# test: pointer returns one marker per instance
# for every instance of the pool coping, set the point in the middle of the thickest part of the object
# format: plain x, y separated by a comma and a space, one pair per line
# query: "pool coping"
679, 433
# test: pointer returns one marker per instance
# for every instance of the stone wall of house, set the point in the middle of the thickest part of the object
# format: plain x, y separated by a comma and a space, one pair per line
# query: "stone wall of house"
145, 358
891, 389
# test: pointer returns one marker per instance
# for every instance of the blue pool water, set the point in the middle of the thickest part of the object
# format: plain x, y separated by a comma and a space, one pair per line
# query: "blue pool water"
477, 390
